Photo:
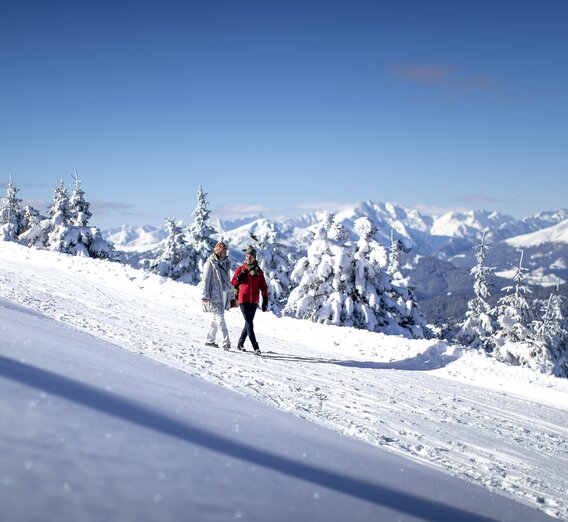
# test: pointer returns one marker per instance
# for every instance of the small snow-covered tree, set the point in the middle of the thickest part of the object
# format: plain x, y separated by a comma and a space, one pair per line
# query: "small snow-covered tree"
559, 337
12, 219
399, 298
60, 219
513, 317
80, 208
476, 331
201, 237
276, 261
174, 254
550, 340
50, 231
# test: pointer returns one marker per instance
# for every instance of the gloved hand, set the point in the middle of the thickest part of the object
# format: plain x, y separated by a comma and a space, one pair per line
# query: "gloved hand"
264, 306
242, 275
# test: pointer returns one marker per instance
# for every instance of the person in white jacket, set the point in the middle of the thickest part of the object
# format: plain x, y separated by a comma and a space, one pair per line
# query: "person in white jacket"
217, 294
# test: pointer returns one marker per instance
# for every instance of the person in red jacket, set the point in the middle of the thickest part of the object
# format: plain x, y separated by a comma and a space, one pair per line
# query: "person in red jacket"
249, 280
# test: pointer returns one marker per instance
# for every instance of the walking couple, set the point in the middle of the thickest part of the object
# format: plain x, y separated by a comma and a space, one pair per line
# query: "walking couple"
219, 291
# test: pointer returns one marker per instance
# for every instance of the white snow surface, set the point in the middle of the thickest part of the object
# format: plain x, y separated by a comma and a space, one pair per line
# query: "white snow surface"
554, 234
462, 414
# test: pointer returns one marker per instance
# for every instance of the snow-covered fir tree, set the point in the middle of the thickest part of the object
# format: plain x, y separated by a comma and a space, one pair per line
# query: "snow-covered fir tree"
174, 255
80, 208
277, 262
370, 281
476, 331
66, 228
513, 317
550, 341
346, 284
321, 278
399, 298
201, 237
50, 231
12, 218
396, 248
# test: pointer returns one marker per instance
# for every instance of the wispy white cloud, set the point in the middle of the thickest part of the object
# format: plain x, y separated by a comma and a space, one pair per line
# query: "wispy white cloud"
423, 73
481, 198
332, 205
244, 210
436, 210
440, 76
38, 204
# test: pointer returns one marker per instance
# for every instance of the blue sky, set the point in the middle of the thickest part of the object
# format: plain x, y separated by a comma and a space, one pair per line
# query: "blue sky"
286, 107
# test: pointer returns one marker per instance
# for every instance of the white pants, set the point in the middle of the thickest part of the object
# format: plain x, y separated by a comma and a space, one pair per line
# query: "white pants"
218, 323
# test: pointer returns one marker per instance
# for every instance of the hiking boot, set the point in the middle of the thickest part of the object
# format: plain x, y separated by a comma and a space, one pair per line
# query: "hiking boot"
257, 350
227, 348
210, 343
241, 346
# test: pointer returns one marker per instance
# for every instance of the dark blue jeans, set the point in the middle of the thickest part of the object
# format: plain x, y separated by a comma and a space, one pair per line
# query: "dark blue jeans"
248, 310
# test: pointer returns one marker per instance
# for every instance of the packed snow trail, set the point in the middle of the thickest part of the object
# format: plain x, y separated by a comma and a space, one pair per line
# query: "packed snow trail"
503, 428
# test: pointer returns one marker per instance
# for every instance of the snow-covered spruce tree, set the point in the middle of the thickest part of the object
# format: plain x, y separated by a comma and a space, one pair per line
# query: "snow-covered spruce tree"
12, 218
321, 276
559, 346
370, 281
66, 228
82, 238
200, 237
277, 262
50, 231
512, 338
399, 298
476, 331
550, 340
174, 255
80, 209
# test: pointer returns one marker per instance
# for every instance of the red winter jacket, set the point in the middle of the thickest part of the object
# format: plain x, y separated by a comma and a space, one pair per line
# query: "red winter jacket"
249, 289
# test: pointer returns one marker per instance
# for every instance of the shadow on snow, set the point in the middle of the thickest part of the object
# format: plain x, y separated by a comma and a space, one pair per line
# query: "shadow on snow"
127, 410
431, 359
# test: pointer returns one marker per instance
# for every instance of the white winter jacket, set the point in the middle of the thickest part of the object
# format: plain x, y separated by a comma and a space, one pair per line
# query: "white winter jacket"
216, 284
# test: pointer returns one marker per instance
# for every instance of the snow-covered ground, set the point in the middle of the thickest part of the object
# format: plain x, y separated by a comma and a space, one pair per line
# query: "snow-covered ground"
499, 427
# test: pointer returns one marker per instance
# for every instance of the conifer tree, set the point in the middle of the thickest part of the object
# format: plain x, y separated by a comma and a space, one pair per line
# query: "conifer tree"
370, 280
174, 255
400, 301
513, 317
477, 329
276, 261
12, 219
66, 228
513, 309
321, 277
550, 341
201, 236
80, 209
347, 284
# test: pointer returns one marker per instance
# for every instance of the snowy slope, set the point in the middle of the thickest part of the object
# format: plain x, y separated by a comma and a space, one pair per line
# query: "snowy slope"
499, 427
553, 234
91, 432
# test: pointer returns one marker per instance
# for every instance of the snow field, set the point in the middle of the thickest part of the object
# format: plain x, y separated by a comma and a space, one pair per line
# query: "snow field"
500, 427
